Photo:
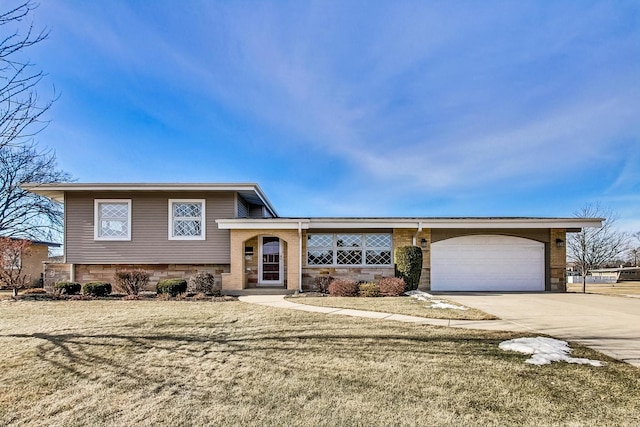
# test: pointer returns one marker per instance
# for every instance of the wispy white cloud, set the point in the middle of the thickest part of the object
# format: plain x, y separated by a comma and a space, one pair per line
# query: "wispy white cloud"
410, 98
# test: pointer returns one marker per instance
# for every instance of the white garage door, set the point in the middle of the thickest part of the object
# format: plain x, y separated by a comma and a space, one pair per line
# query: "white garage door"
487, 263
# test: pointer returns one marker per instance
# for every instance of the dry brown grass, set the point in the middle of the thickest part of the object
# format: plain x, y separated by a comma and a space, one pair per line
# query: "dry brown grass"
77, 363
396, 305
622, 288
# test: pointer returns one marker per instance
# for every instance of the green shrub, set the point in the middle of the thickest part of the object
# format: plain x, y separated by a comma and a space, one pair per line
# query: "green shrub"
68, 288
96, 289
369, 290
409, 265
171, 287
321, 283
203, 283
131, 282
343, 288
391, 286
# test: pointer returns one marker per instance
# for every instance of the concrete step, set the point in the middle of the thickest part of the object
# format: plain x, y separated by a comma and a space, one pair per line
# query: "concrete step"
259, 291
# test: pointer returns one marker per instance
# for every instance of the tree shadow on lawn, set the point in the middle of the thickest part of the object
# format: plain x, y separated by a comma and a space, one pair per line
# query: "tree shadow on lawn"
80, 354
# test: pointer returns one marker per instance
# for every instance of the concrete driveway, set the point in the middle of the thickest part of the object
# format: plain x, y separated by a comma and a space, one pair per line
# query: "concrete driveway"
608, 324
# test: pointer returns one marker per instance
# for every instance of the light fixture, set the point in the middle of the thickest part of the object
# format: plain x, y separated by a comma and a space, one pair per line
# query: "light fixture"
559, 243
423, 243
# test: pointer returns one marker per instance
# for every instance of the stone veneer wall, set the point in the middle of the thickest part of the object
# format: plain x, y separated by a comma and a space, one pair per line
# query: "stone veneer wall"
364, 274
401, 237
57, 272
557, 260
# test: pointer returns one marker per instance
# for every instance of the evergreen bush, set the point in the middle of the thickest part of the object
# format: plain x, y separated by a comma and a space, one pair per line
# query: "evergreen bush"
409, 265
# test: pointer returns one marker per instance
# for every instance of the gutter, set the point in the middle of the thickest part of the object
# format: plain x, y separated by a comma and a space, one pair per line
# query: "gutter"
299, 256
415, 236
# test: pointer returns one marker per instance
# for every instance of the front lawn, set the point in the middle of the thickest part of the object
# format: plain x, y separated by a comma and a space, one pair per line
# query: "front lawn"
153, 363
621, 289
396, 305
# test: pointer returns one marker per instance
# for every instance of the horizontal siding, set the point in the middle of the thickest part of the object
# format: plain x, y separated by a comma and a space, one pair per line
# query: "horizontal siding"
255, 211
242, 208
149, 230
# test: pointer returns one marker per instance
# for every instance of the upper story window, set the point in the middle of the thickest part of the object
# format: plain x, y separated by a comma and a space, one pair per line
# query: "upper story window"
112, 219
186, 219
349, 249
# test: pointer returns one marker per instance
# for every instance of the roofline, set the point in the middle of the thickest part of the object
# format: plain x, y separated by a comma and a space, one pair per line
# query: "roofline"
35, 242
55, 191
346, 223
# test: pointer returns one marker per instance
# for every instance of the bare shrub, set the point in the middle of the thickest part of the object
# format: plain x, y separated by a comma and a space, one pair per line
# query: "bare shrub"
131, 282
391, 286
203, 283
321, 283
369, 289
343, 288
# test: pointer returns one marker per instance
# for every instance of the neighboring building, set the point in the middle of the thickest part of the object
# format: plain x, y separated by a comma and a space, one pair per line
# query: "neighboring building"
614, 275
32, 264
233, 231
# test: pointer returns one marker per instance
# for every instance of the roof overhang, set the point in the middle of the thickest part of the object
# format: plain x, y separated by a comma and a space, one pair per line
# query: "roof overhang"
37, 242
373, 223
249, 191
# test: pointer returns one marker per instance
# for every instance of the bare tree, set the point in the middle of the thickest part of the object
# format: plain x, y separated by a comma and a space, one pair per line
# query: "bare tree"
634, 250
12, 253
592, 247
21, 118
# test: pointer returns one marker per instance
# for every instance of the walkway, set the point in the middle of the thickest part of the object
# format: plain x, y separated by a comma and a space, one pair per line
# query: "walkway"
280, 302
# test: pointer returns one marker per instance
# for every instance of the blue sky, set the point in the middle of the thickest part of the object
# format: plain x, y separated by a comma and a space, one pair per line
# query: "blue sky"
372, 108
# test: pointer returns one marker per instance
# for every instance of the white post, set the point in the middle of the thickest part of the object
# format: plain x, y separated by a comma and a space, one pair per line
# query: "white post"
299, 256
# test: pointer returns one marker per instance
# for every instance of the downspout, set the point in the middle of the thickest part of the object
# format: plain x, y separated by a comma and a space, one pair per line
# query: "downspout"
415, 236
299, 256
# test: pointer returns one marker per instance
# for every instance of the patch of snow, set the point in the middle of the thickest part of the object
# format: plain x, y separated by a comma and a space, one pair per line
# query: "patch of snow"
422, 296
545, 350
435, 303
441, 304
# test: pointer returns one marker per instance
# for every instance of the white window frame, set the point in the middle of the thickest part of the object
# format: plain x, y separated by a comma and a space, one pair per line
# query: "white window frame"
97, 220
334, 248
203, 230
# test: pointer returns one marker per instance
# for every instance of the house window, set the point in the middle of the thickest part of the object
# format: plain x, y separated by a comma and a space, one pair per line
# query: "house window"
186, 219
112, 219
349, 249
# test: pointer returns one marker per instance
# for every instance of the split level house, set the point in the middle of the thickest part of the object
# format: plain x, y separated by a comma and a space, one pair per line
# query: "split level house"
234, 232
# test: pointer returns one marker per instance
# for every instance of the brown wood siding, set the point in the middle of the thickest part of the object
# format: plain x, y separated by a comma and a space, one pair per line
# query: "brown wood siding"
149, 230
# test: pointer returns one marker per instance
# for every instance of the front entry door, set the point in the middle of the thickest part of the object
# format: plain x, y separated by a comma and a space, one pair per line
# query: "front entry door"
270, 267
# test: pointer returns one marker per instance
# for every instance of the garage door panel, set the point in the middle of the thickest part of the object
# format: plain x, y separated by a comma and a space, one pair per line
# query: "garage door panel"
487, 263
